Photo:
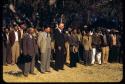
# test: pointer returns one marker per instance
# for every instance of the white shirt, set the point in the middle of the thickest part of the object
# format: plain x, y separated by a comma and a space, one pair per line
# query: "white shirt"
45, 34
16, 36
60, 30
7, 35
30, 36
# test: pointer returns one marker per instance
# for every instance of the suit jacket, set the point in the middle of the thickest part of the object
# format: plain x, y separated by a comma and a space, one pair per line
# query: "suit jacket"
118, 43
29, 45
108, 38
59, 39
74, 42
87, 42
44, 42
96, 41
12, 37
5, 39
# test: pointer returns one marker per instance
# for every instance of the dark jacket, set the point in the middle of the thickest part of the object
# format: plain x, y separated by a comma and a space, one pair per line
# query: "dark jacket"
73, 41
29, 45
96, 41
103, 44
118, 41
12, 37
59, 39
5, 40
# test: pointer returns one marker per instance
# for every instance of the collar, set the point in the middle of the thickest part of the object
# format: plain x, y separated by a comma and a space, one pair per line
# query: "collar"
59, 30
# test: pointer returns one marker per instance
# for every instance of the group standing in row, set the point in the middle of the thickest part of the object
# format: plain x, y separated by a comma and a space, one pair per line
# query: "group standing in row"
70, 46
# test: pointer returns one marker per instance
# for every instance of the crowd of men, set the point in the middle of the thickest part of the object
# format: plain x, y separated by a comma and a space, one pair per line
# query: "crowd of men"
70, 47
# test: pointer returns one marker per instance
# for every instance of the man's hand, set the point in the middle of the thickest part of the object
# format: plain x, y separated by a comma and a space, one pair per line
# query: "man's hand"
59, 48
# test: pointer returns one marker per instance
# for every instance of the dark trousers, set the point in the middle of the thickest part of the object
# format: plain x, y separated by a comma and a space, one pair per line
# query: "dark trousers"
87, 54
7, 57
29, 66
114, 54
73, 59
4, 55
80, 53
59, 59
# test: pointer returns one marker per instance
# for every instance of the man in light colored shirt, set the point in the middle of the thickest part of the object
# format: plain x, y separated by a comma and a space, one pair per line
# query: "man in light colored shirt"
14, 37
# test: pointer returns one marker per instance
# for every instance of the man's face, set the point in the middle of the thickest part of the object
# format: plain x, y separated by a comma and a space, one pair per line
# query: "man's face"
61, 26
31, 31
75, 31
16, 28
6, 30
48, 30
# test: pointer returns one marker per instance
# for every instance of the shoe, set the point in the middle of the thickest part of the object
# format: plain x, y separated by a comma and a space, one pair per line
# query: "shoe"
89, 64
57, 69
5, 64
26, 75
48, 71
62, 69
86, 64
33, 73
42, 72
92, 63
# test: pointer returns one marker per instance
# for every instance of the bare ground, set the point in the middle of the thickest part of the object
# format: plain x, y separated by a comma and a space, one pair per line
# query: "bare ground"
96, 73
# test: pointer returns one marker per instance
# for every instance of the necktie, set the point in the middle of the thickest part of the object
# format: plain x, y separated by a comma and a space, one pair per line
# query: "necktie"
47, 34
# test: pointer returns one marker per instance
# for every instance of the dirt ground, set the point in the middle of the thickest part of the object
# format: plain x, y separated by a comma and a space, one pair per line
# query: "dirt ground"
96, 73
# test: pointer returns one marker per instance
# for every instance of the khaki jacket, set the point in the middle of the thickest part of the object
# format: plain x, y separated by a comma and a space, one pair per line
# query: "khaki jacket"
44, 42
87, 42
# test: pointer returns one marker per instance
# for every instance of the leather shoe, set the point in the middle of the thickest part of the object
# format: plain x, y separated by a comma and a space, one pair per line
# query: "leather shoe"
42, 72
57, 69
26, 75
62, 69
48, 71
6, 65
33, 73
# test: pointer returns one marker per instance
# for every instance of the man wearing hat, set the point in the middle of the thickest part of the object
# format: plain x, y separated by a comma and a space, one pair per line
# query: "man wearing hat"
44, 43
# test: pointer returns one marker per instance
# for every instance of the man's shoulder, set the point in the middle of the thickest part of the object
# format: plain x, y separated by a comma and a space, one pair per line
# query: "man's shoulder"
26, 35
41, 33
56, 30
11, 32
85, 36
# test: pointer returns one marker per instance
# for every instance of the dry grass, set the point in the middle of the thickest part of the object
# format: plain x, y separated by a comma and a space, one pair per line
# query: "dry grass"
97, 73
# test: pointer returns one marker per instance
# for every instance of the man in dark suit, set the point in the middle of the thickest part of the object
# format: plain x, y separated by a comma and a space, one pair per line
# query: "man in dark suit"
74, 44
59, 47
7, 49
29, 52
